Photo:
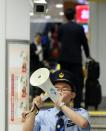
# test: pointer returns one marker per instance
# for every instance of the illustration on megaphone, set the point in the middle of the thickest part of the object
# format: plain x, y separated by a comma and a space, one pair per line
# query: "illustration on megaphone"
40, 78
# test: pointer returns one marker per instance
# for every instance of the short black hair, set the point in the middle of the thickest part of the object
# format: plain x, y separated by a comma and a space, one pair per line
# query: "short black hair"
69, 13
38, 34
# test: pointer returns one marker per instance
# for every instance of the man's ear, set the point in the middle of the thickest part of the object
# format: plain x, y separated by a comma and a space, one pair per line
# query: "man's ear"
73, 95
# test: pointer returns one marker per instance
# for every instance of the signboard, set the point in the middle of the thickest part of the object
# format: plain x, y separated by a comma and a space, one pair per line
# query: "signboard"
17, 79
82, 14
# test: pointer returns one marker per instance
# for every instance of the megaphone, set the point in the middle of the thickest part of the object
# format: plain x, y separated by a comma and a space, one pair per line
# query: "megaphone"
40, 78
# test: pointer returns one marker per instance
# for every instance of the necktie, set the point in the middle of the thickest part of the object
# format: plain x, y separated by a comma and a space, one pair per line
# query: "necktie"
60, 122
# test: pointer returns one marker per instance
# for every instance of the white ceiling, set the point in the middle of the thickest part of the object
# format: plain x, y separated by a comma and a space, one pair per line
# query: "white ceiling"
53, 12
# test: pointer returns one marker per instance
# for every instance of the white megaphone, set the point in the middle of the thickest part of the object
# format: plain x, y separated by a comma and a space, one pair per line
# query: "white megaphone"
40, 78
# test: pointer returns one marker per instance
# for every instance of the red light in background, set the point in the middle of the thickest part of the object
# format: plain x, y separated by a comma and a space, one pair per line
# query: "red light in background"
82, 13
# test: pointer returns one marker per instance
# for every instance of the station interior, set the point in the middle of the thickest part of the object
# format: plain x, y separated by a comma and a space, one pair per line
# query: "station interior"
19, 22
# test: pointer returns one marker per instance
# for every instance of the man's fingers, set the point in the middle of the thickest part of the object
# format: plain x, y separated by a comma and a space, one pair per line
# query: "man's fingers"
38, 101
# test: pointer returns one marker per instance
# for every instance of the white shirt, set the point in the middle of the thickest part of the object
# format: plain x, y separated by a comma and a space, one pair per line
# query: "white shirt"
39, 51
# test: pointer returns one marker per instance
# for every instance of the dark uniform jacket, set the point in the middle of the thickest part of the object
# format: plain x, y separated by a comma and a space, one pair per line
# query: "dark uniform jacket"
34, 59
72, 36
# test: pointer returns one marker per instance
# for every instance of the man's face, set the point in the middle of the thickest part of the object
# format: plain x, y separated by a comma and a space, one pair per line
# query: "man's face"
65, 89
37, 39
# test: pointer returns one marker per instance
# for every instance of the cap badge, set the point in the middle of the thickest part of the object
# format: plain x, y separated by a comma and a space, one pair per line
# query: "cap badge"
61, 75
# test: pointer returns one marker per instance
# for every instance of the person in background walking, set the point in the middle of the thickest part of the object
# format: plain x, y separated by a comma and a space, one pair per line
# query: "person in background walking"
72, 38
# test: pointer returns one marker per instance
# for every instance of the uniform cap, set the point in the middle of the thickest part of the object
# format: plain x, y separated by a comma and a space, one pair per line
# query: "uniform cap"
63, 76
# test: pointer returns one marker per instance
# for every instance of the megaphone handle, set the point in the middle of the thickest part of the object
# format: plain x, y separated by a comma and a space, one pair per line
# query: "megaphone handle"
32, 109
43, 97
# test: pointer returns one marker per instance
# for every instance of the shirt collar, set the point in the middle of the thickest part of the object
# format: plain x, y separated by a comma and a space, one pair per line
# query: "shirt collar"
56, 111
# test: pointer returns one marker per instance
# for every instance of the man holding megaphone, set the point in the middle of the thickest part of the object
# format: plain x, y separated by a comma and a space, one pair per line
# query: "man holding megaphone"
62, 117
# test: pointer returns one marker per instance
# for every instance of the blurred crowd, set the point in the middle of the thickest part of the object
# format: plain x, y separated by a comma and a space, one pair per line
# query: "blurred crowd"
60, 47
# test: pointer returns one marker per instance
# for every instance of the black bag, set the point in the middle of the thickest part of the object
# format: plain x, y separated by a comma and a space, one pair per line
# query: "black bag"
93, 68
93, 93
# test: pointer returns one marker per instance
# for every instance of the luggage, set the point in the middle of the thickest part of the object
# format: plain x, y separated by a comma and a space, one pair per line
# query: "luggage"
93, 68
93, 93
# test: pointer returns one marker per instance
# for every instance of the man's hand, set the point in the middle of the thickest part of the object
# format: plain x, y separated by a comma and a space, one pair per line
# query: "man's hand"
60, 102
38, 101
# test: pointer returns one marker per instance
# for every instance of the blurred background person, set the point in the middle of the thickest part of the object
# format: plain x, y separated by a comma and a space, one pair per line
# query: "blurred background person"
36, 61
54, 42
36, 53
46, 49
54, 46
72, 38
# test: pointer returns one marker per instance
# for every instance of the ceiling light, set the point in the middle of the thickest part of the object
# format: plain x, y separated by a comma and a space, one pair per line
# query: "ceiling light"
61, 13
59, 5
31, 13
47, 17
40, 1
